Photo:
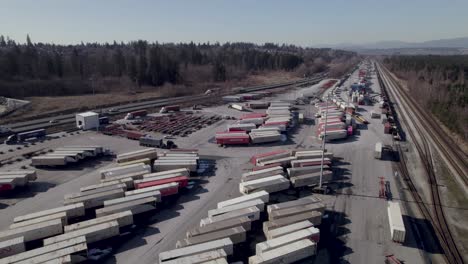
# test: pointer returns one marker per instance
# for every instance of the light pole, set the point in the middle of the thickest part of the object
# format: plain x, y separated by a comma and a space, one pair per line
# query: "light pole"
323, 140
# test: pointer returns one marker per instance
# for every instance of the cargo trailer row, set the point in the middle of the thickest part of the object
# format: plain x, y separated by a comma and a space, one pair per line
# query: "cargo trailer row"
217, 235
67, 155
115, 203
10, 180
291, 231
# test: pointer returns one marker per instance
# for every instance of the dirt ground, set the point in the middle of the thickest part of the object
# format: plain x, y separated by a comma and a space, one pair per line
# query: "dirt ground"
56, 104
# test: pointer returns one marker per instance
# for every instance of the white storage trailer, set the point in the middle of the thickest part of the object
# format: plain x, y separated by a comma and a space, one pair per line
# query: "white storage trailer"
250, 212
282, 231
12, 247
116, 171
124, 218
245, 222
254, 175
311, 179
219, 211
287, 212
225, 244
61, 215
199, 258
73, 210
92, 233
46, 253
34, 231
395, 219
262, 195
302, 201
87, 120
236, 234
270, 184
265, 137
308, 233
51, 160
287, 253
378, 150
314, 217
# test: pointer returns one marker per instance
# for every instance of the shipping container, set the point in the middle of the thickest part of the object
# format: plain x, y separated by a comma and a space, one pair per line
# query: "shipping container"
237, 139
253, 120
225, 244
12, 247
34, 232
95, 199
136, 114
300, 209
181, 180
258, 105
265, 137
135, 206
237, 107
92, 234
334, 134
299, 202
269, 184
236, 234
199, 258
219, 211
124, 218
165, 189
241, 127
311, 179
122, 170
262, 195
395, 218
169, 108
309, 162
293, 172
163, 165
231, 98
46, 253
245, 222
278, 232
311, 233
258, 174
290, 253
313, 216
378, 150
51, 160
250, 212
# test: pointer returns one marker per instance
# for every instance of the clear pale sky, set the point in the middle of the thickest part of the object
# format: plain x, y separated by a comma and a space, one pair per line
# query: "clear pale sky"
302, 22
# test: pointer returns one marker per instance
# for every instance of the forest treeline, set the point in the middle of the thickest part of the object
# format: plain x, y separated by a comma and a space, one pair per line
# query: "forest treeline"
439, 83
42, 69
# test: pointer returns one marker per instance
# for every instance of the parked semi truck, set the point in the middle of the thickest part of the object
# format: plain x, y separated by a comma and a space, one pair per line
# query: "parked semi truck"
21, 137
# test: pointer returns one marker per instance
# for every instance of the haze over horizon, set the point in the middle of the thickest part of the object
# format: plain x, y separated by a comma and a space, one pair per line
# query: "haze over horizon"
299, 22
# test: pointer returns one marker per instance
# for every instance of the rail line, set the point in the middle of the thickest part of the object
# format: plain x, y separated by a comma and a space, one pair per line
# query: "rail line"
69, 118
438, 221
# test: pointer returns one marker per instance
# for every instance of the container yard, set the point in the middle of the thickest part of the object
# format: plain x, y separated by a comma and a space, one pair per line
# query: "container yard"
261, 177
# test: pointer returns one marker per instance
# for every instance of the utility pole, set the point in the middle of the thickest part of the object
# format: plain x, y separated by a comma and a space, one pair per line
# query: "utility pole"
323, 140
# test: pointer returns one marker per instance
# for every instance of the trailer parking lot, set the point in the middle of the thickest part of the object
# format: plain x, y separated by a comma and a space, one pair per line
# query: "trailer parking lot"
356, 229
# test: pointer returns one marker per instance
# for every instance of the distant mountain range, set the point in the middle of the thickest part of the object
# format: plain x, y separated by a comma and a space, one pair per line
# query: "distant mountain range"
440, 46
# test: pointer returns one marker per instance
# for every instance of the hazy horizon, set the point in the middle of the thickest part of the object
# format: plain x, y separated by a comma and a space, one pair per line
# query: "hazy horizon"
297, 22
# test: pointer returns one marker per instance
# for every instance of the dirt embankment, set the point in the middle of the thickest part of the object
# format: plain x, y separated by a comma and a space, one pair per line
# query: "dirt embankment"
58, 104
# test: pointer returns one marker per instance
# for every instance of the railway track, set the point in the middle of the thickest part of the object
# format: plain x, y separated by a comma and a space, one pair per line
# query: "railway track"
425, 132
70, 118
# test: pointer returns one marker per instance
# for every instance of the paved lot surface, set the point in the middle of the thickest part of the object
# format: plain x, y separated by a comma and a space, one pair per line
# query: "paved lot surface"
356, 230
